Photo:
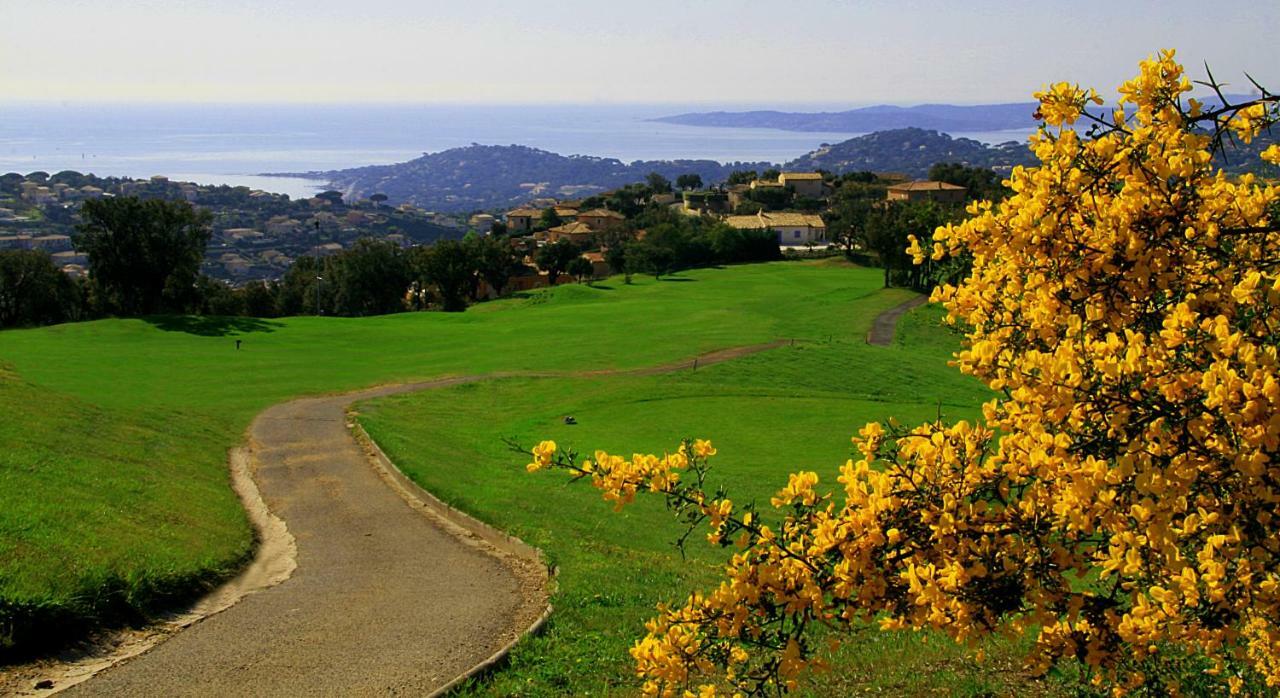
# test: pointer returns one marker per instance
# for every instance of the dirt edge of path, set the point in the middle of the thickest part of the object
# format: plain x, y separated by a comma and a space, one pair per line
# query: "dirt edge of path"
274, 560
536, 578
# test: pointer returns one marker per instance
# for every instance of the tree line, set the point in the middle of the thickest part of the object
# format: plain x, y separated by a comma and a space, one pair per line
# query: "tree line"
144, 258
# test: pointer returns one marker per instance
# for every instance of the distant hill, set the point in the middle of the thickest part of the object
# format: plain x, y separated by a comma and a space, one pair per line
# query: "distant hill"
938, 117
493, 177
910, 151
497, 176
947, 118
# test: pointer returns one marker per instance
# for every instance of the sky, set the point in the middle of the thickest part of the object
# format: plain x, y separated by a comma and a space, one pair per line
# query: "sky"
713, 52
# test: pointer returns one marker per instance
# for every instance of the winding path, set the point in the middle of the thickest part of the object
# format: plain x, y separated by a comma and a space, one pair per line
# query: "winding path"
886, 323
386, 598
363, 584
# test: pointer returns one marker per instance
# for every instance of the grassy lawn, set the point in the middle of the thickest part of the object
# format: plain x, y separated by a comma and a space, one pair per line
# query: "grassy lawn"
769, 414
113, 484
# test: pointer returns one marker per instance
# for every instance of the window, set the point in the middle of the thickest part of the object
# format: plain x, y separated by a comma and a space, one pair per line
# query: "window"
797, 234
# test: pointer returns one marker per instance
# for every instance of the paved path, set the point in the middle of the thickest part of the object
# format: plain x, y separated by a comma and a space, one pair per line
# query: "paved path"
384, 600
886, 323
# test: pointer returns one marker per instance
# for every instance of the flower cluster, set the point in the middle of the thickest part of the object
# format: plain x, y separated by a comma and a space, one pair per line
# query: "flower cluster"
1117, 499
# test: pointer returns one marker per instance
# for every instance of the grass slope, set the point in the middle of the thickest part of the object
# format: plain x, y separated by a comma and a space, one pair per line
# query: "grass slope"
769, 414
114, 433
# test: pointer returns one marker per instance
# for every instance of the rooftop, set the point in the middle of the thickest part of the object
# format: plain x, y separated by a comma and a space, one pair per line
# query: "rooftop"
925, 185
574, 228
788, 219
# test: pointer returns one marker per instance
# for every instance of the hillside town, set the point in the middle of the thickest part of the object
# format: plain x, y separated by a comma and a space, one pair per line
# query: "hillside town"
257, 235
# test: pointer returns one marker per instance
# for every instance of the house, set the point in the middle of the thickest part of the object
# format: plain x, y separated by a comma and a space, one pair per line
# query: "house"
599, 268
482, 223
15, 242
766, 184
577, 232
521, 220
791, 227
282, 225
241, 234
70, 257
805, 184
710, 201
566, 213
600, 219
52, 243
927, 190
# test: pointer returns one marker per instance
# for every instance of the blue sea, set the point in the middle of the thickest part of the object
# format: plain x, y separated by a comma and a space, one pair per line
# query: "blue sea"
235, 144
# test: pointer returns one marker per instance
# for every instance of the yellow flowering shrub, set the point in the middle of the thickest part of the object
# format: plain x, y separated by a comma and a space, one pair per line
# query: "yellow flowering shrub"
1117, 500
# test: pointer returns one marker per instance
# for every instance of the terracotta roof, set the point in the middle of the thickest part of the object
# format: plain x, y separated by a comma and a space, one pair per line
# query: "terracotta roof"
800, 175
601, 213
593, 256
787, 219
924, 185
574, 228
524, 212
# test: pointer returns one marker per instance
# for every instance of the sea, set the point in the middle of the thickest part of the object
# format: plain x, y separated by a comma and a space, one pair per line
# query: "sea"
237, 144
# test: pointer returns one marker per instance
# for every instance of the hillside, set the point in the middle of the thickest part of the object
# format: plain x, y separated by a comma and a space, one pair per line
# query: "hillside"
496, 176
938, 117
910, 151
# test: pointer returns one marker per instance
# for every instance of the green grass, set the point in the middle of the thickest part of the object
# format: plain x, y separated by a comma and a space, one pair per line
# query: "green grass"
115, 432
769, 414
113, 480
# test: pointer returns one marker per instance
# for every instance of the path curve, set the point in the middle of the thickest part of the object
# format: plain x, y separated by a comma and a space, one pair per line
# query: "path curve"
383, 600
886, 323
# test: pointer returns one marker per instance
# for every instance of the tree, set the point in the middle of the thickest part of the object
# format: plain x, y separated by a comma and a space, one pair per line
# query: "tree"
555, 258
980, 183
847, 223
303, 290
742, 177
580, 268
333, 197
1115, 502
616, 257
216, 297
448, 266
496, 261
33, 291
657, 184
371, 278
887, 229
645, 256
259, 299
689, 181
549, 218
144, 256
378, 199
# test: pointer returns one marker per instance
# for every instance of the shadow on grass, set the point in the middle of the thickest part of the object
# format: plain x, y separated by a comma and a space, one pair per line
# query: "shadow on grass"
211, 326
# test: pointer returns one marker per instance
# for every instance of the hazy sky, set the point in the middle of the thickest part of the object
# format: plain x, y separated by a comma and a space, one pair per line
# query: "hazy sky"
588, 51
